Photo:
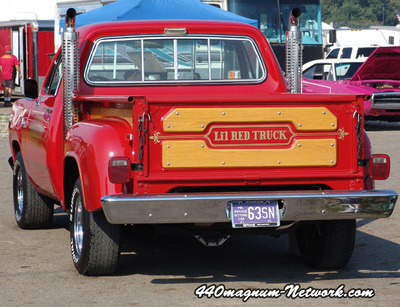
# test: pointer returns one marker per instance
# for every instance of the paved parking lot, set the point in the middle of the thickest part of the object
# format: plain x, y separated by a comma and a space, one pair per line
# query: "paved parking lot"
4, 118
158, 269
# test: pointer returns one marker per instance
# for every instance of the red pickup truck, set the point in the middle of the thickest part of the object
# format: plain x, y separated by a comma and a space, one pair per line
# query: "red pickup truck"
189, 123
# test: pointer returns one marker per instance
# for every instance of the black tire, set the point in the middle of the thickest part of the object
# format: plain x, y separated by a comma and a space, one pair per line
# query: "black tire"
31, 209
95, 243
327, 244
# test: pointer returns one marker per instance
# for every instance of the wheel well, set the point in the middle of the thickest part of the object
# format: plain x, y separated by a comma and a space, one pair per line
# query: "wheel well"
71, 173
16, 148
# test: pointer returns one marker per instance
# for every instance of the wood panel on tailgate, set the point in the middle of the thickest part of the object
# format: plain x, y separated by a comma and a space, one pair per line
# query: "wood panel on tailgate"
248, 137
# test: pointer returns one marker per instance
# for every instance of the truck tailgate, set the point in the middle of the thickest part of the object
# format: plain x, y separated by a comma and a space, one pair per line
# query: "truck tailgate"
279, 140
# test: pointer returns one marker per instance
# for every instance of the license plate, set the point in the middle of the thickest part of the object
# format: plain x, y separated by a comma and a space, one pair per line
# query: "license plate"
255, 214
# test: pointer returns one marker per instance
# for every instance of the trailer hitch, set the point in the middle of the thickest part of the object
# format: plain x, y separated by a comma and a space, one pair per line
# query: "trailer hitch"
212, 241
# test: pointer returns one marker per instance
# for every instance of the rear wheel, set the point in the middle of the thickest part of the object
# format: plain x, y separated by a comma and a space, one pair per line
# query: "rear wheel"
32, 210
327, 244
94, 242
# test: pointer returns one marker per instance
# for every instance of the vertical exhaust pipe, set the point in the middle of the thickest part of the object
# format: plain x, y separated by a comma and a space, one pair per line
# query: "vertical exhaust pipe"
294, 54
70, 61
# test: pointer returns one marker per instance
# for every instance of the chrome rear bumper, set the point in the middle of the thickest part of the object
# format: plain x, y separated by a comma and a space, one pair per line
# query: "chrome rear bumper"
213, 208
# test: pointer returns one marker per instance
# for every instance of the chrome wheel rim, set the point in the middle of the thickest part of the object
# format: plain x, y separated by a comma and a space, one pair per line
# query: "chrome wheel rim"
20, 195
78, 224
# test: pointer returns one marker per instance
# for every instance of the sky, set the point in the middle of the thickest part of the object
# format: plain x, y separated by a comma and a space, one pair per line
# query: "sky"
25, 9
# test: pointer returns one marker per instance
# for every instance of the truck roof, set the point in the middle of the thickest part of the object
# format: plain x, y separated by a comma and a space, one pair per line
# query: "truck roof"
158, 27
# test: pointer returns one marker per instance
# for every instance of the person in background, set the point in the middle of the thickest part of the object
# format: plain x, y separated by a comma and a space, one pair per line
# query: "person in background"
9, 65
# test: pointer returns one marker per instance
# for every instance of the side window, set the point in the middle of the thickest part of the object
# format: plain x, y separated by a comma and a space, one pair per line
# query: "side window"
315, 72
331, 74
342, 71
346, 53
333, 54
309, 73
54, 78
364, 52
345, 71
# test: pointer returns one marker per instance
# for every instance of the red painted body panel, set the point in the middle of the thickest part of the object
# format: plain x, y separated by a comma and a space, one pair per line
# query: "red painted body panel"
46, 48
5, 39
42, 148
92, 144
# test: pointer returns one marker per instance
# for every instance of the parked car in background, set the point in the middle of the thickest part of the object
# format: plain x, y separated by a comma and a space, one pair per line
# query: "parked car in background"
331, 69
350, 52
378, 79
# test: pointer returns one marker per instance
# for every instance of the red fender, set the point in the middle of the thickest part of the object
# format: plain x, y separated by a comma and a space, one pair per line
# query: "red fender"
92, 143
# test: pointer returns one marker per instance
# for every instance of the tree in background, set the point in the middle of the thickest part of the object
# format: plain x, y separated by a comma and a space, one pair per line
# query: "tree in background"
360, 13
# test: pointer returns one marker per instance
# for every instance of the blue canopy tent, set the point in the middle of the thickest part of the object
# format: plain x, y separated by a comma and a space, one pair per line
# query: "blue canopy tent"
159, 10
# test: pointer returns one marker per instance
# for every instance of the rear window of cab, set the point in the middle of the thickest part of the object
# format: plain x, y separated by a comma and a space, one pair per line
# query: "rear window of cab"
116, 61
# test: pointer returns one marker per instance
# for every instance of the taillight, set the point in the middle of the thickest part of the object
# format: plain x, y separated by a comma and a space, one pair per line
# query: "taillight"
119, 169
379, 167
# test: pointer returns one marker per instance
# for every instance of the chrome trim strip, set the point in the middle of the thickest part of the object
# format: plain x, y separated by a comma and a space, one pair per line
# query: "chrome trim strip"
386, 100
212, 208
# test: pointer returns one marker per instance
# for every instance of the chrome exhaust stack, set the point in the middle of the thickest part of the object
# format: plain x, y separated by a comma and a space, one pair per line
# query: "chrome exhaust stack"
70, 58
294, 54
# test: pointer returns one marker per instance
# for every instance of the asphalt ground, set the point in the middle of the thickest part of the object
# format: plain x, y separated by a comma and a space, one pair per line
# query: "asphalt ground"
159, 269
4, 118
